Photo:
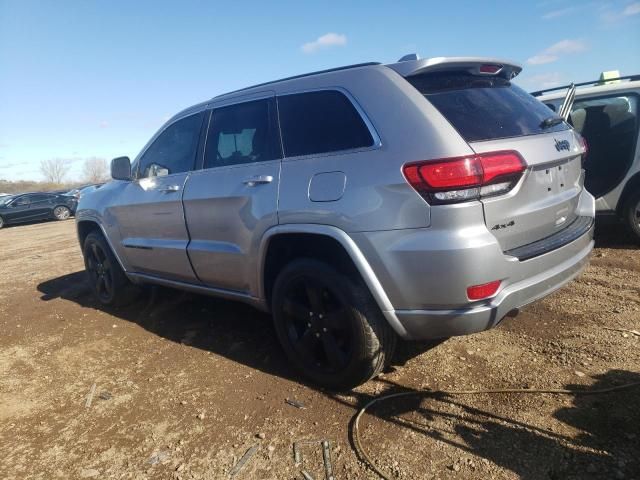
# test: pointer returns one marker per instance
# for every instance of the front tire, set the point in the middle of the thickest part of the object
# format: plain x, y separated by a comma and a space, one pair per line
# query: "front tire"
107, 279
329, 325
1, 222
632, 214
61, 212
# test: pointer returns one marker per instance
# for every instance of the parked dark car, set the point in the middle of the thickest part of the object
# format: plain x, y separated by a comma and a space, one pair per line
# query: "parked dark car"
78, 192
29, 207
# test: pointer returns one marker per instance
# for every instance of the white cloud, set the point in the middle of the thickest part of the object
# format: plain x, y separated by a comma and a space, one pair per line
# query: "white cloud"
558, 13
541, 59
555, 51
632, 9
611, 17
544, 80
104, 124
325, 41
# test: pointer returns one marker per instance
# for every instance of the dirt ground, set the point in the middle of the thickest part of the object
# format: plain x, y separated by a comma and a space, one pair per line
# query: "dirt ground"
184, 384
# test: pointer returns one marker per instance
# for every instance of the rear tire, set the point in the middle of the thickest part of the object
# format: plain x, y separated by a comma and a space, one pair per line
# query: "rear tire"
61, 212
329, 326
107, 279
632, 214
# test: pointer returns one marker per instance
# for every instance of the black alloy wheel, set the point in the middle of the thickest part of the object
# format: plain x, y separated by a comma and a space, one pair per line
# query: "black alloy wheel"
329, 325
108, 281
317, 324
100, 272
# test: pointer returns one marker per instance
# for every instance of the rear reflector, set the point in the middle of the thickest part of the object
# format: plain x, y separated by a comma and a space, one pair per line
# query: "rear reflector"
479, 292
465, 178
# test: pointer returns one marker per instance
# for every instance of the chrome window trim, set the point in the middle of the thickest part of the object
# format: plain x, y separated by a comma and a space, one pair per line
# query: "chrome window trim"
377, 141
202, 171
237, 100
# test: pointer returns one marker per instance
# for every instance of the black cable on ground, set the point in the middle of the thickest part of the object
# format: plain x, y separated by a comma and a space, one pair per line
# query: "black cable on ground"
433, 393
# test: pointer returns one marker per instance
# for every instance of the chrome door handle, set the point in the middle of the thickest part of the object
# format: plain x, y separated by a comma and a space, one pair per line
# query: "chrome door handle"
258, 180
169, 189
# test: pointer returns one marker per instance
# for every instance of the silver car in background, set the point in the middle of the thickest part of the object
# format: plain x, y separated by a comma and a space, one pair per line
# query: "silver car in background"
422, 199
605, 113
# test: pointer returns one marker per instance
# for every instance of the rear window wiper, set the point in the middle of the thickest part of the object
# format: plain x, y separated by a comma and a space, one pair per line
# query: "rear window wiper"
550, 122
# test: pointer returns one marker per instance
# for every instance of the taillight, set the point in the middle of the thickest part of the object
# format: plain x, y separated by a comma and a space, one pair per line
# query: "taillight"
585, 146
486, 290
465, 178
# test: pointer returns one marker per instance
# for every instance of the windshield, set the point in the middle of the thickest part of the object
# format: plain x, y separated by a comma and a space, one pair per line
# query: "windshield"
485, 107
6, 199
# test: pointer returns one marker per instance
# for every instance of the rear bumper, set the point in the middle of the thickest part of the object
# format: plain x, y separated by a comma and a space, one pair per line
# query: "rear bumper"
424, 273
424, 324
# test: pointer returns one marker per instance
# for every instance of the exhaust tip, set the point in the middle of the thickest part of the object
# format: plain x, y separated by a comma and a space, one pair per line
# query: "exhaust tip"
513, 313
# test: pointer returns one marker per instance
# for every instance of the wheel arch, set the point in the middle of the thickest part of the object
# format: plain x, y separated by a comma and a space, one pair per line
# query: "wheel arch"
632, 186
85, 226
283, 243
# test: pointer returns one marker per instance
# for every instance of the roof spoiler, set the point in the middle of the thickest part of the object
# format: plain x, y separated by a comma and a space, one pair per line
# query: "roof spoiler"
409, 66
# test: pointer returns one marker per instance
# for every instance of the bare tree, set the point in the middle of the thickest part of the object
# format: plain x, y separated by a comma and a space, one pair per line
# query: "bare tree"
95, 170
55, 169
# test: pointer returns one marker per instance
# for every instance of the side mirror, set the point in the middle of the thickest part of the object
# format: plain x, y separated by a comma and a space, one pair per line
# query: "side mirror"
121, 168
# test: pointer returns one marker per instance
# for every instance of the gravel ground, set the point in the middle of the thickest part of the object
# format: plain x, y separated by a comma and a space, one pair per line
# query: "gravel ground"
182, 385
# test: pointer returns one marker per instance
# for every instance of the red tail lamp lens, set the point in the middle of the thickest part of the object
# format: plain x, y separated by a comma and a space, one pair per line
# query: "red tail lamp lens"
465, 172
500, 164
585, 146
457, 179
479, 292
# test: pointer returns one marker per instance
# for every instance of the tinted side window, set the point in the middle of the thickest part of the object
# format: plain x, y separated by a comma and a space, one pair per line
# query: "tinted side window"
242, 133
22, 200
320, 122
40, 198
174, 151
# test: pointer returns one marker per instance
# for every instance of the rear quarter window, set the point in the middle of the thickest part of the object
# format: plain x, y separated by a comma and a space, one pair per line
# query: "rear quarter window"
320, 122
484, 107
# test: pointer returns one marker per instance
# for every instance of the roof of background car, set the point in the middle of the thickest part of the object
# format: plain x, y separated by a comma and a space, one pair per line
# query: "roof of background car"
594, 90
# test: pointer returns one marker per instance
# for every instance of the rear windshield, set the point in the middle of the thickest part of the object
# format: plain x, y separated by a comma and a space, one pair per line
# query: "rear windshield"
485, 108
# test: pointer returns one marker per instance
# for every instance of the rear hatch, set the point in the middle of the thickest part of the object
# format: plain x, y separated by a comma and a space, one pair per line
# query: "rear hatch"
494, 115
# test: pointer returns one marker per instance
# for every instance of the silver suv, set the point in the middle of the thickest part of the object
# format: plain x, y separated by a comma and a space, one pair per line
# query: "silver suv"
606, 114
422, 199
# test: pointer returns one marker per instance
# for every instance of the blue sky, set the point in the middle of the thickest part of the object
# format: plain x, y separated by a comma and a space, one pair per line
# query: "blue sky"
98, 78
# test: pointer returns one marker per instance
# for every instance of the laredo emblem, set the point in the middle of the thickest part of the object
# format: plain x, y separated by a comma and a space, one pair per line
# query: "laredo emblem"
562, 145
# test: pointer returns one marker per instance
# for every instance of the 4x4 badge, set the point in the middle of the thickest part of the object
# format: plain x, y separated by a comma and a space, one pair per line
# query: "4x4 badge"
500, 226
562, 145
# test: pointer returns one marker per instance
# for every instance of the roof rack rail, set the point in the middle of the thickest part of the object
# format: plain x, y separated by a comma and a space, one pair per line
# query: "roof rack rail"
593, 83
337, 69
